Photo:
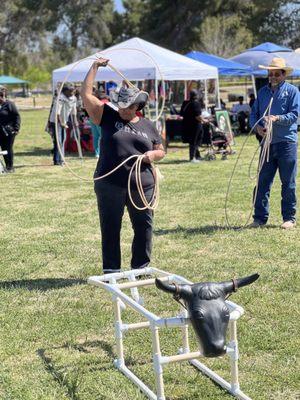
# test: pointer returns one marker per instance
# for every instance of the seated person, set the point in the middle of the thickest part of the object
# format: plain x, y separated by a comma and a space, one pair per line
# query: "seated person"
242, 111
206, 119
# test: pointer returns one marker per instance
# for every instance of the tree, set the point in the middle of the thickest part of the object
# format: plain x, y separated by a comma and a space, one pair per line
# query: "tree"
177, 25
282, 25
80, 24
224, 36
129, 24
15, 34
49, 33
171, 23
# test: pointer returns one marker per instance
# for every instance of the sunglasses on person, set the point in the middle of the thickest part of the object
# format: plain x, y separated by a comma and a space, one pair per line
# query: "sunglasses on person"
276, 74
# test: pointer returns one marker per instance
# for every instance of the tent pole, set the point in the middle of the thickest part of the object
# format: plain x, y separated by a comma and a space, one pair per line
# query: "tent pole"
205, 94
156, 102
218, 92
53, 86
253, 84
185, 90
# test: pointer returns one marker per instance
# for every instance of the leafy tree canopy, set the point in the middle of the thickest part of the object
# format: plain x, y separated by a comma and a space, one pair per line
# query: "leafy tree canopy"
45, 34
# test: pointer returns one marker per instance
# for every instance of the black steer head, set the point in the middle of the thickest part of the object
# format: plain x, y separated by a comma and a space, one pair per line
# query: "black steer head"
207, 309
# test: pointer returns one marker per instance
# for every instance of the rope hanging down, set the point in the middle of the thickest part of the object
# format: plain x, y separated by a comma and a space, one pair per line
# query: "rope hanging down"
264, 156
136, 167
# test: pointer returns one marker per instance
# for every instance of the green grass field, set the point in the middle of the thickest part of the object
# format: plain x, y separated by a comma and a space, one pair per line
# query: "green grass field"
56, 332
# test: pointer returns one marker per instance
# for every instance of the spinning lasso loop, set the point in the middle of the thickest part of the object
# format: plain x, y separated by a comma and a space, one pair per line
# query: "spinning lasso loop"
264, 155
152, 205
130, 84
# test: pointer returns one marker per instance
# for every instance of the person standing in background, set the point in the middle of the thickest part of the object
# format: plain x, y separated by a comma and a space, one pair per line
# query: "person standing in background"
252, 99
66, 107
96, 129
10, 122
192, 128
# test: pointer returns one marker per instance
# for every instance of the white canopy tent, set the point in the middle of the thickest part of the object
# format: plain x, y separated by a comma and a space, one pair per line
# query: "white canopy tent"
138, 59
135, 64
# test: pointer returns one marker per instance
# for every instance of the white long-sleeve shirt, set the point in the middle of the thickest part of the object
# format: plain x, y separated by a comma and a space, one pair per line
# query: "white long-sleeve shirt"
66, 106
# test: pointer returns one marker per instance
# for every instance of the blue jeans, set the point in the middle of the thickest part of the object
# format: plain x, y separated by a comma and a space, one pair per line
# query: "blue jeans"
283, 156
62, 139
96, 132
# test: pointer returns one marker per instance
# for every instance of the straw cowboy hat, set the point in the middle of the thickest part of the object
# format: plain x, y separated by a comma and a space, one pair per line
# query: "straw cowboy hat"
277, 63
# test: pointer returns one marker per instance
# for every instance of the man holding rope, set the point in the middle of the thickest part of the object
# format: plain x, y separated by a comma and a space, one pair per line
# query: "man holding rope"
282, 153
65, 109
123, 135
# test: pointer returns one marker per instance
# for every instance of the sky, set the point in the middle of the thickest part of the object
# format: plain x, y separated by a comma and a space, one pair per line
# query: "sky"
119, 5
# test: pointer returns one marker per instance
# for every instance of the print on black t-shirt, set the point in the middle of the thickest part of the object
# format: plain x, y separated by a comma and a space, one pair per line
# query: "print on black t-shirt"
121, 139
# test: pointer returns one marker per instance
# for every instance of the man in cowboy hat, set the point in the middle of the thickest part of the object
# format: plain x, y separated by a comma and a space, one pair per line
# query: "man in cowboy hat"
283, 149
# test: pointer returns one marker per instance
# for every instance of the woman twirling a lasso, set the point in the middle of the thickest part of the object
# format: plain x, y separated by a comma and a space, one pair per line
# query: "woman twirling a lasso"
124, 134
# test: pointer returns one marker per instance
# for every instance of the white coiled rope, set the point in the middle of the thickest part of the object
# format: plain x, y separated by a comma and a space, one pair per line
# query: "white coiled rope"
136, 167
264, 156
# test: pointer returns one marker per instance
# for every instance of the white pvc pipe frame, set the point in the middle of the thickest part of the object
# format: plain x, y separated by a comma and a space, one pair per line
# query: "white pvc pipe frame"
2, 168
154, 322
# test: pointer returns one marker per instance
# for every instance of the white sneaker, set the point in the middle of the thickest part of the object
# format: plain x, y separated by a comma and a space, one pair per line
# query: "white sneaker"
195, 161
288, 225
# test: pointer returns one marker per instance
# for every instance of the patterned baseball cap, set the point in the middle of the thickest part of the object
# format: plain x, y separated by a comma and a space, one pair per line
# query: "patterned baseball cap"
123, 97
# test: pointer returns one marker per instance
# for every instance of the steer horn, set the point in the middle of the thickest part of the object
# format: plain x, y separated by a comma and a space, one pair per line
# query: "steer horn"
235, 284
183, 291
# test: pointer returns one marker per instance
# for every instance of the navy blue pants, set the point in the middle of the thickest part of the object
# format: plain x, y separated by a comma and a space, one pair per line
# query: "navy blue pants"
62, 135
283, 156
112, 201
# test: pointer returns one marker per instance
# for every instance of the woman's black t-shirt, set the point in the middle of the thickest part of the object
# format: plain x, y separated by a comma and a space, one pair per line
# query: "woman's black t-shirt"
121, 139
9, 115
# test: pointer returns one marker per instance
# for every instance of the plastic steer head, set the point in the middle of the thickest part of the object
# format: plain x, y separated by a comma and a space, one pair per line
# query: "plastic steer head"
207, 309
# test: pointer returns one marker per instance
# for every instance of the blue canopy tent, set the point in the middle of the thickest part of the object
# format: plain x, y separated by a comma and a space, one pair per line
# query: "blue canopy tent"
11, 80
269, 47
225, 67
264, 53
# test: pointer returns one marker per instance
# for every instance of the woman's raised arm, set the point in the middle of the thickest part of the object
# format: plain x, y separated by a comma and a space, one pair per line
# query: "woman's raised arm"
92, 104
